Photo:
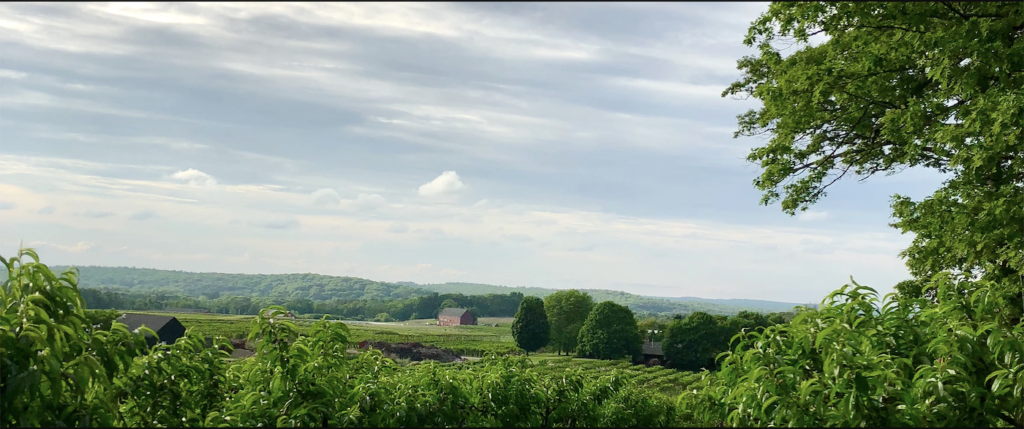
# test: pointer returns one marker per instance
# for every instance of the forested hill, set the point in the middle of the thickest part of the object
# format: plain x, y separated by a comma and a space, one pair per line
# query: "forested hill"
213, 285
318, 287
635, 302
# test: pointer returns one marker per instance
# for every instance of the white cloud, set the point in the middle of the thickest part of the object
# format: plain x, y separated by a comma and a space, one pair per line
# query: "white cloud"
81, 246
11, 74
325, 196
812, 216
4, 205
367, 202
194, 177
445, 184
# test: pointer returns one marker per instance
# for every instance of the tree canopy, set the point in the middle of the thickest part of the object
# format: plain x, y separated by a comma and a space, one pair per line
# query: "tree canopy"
567, 310
610, 332
531, 328
693, 342
891, 86
448, 303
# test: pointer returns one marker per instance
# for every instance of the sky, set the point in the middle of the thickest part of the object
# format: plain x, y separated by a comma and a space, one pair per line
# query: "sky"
560, 145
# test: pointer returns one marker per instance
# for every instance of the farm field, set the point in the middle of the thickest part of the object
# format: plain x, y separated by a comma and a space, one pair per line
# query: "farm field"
472, 341
666, 381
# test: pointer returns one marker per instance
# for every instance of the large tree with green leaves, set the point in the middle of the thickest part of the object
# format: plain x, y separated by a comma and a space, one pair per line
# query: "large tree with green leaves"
610, 332
531, 328
891, 85
567, 310
693, 342
858, 89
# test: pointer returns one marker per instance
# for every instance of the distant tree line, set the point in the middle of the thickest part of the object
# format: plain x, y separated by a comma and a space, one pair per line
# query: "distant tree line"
315, 288
422, 307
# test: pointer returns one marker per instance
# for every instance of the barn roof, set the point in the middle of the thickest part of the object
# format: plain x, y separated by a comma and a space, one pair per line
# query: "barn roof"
650, 348
457, 312
154, 322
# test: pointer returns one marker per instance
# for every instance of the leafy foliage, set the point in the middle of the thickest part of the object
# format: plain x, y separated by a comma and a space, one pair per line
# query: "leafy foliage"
54, 370
861, 362
531, 328
897, 85
610, 332
692, 343
448, 303
567, 310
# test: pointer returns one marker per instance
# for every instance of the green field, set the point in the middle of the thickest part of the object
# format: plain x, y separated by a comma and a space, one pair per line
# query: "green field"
473, 341
664, 380
667, 381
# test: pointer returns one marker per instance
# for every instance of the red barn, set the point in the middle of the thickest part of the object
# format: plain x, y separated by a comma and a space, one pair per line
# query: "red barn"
455, 317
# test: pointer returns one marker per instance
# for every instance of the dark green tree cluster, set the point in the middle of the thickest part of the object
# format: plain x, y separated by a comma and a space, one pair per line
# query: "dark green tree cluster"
693, 342
56, 372
567, 310
609, 332
569, 322
531, 328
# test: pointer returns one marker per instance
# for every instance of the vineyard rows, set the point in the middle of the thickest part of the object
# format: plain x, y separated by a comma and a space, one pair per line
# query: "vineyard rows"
664, 380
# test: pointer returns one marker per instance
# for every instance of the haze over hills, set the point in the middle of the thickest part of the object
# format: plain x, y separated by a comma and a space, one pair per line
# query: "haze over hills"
323, 287
754, 303
620, 297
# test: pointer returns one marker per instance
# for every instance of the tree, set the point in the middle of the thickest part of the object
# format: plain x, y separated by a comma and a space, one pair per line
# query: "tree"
893, 85
567, 310
448, 303
475, 312
748, 320
610, 332
531, 328
897, 85
692, 343
651, 328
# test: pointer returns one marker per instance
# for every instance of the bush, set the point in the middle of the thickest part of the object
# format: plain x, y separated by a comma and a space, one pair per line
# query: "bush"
860, 362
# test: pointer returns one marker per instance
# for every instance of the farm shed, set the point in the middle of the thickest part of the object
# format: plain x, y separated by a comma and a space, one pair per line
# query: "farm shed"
455, 317
167, 328
653, 355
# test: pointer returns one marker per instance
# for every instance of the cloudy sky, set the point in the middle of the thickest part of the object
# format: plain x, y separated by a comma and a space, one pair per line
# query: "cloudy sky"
552, 145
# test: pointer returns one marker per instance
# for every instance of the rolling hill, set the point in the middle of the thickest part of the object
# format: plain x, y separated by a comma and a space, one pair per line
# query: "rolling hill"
321, 287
